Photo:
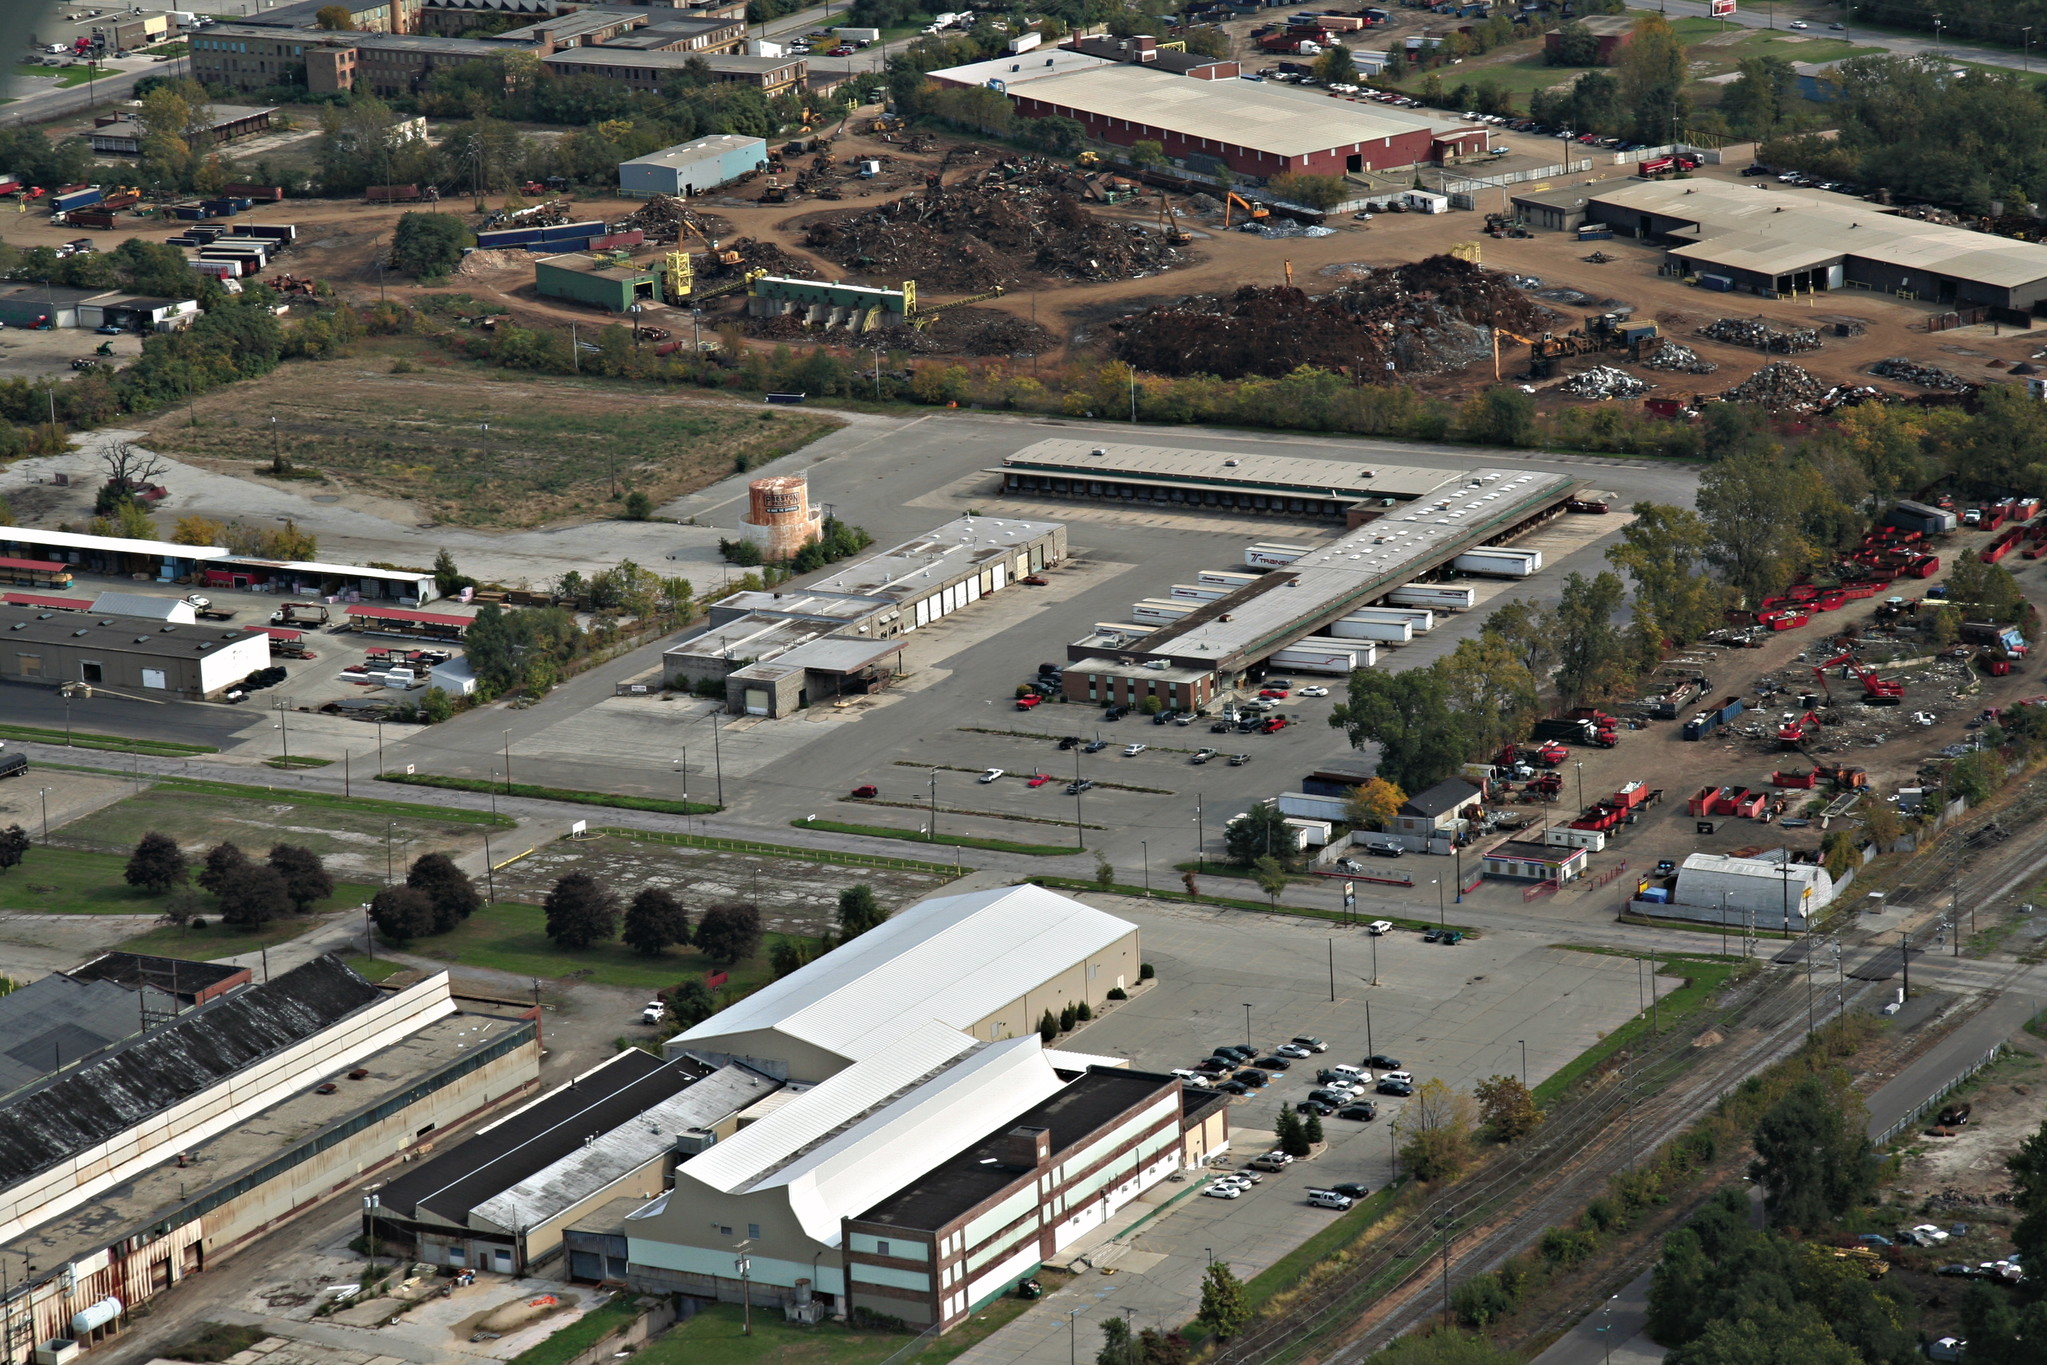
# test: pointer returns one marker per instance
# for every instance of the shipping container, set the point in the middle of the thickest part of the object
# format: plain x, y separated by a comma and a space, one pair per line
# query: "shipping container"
1921, 517
1721, 284
563, 232
280, 232
508, 237
83, 197
1435, 596
392, 194
1023, 42
618, 240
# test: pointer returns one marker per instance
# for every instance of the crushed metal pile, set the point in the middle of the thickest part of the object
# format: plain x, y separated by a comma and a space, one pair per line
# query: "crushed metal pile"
757, 255
664, 218
1762, 336
1269, 228
984, 331
1925, 376
1425, 317
1781, 387
1603, 381
997, 227
1677, 358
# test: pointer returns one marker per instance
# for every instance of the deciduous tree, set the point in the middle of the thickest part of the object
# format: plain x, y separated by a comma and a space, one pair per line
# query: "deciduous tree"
1408, 715
1224, 1307
157, 864
1664, 549
1813, 1158
402, 913
859, 911
689, 1003
729, 931
451, 890
1373, 804
221, 859
581, 910
655, 920
1507, 1108
253, 894
1438, 1122
306, 879
14, 846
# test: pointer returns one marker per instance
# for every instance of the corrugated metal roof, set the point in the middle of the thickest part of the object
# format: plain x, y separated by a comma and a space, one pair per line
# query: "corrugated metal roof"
609, 1157
950, 959
47, 1123
1244, 114
875, 1127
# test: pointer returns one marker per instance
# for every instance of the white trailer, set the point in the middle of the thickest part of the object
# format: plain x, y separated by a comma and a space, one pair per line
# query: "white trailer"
1435, 596
1155, 613
1310, 806
1198, 592
1320, 654
1391, 632
1275, 556
1498, 564
1421, 618
1024, 42
1224, 578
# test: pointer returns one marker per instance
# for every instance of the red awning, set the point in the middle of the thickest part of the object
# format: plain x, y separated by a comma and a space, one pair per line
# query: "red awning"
39, 565
424, 618
275, 632
23, 599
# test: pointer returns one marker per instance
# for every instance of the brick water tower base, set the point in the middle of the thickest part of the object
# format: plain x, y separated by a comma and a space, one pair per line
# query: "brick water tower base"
779, 517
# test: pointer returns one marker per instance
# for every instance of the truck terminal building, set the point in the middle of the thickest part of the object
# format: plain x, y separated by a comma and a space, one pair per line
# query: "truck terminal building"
1405, 524
1775, 241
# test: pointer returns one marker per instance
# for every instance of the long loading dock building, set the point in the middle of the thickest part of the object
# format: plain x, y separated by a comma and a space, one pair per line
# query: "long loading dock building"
1408, 524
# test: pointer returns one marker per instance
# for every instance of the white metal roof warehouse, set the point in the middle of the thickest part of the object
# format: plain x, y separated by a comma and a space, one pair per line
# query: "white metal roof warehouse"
986, 963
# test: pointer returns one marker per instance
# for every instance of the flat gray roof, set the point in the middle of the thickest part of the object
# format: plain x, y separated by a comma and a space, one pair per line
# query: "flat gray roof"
1351, 571
935, 558
113, 634
1228, 469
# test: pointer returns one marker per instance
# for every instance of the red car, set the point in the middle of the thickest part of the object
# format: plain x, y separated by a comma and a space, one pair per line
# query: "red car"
1040, 780
840, 51
1036, 580
1272, 725
1026, 703
1273, 694
867, 791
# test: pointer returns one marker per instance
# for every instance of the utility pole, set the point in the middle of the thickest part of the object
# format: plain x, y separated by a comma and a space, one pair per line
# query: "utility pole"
934, 805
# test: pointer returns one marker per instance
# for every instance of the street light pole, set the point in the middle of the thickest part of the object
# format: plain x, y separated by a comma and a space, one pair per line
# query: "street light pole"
1141, 843
718, 758
1524, 1061
934, 805
45, 794
1247, 1023
508, 763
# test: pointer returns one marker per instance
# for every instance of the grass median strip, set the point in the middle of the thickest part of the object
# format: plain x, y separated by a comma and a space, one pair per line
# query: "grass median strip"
1021, 776
369, 805
958, 810
1165, 893
569, 795
1705, 978
943, 841
814, 855
80, 739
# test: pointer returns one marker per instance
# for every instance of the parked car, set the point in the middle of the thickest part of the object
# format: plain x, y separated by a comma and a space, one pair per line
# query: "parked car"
1202, 755
1275, 1063
1379, 926
1431, 935
1314, 691
1359, 1113
1239, 760
1379, 1061
1094, 746
1214, 1066
1069, 742
1257, 1080
1133, 750
1039, 780
1224, 1191
1354, 1191
1026, 703
1270, 1161
1079, 785
1402, 1077
868, 791
1235, 1088
1283, 684
1272, 725
1036, 580
1243, 1052
1330, 1199
1394, 1088
1452, 936
1315, 1107
653, 1012
1306, 1040
1332, 1097
989, 776
1664, 867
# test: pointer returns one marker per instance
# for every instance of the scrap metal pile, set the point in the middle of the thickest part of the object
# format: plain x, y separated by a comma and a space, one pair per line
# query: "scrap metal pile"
997, 227
1677, 358
1781, 387
664, 218
1425, 317
757, 255
1762, 336
1603, 381
1925, 376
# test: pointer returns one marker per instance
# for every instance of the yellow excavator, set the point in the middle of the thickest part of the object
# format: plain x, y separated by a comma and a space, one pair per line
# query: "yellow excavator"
1252, 212
1170, 230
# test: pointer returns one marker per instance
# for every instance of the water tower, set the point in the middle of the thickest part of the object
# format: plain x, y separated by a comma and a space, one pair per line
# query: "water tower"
779, 517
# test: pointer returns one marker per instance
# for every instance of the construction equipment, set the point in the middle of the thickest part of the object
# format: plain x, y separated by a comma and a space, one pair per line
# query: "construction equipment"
1506, 225
1252, 212
1172, 231
1797, 729
1875, 691
922, 317
774, 192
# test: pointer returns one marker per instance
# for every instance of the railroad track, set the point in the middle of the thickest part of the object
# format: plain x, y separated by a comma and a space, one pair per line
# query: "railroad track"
1476, 1225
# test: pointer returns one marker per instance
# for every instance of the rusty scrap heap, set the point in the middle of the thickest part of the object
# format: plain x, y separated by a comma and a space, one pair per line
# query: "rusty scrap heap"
1425, 317
996, 228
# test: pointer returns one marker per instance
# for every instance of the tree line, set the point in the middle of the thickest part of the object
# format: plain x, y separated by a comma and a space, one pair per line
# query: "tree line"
245, 893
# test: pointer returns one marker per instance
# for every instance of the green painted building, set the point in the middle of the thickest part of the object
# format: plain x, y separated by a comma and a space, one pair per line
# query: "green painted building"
590, 279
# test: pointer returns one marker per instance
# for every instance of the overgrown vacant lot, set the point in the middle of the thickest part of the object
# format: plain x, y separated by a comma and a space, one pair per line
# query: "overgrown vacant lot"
472, 447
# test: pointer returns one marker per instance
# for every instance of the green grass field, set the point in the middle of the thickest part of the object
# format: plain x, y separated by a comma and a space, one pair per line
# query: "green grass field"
64, 76
216, 940
509, 937
350, 835
72, 881
944, 840
713, 1337
580, 1335
81, 739
1706, 975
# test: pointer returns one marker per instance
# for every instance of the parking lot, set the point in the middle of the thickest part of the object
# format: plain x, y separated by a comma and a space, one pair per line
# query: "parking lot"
1457, 1013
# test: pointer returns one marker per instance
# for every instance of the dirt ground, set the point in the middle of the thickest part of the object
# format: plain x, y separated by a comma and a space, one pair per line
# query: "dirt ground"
795, 897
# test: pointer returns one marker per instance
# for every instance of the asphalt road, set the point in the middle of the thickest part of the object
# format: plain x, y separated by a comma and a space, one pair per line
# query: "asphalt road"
56, 104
